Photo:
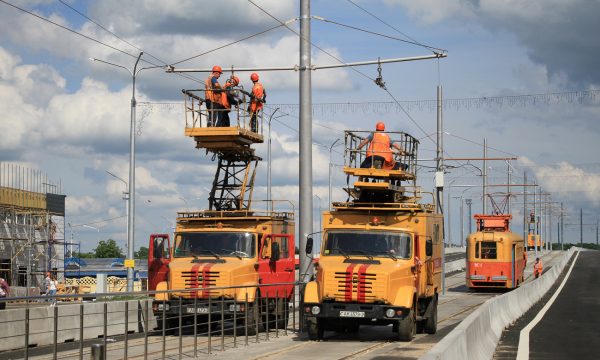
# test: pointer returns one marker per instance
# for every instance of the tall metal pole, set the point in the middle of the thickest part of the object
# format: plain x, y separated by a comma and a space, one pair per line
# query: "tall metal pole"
535, 218
525, 227
449, 220
439, 181
305, 158
484, 207
330, 150
469, 202
581, 227
562, 227
509, 173
462, 221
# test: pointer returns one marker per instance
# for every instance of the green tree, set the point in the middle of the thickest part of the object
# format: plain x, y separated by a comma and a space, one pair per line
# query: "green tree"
142, 253
108, 249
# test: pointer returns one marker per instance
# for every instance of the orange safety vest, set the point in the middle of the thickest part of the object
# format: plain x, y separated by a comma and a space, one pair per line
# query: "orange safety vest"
211, 95
380, 146
224, 99
537, 267
259, 92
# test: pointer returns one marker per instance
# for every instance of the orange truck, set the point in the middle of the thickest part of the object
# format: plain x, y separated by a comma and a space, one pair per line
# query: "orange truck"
381, 257
495, 255
239, 252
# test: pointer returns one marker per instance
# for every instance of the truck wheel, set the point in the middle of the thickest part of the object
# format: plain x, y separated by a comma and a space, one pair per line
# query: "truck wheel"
284, 315
253, 314
407, 327
315, 329
430, 324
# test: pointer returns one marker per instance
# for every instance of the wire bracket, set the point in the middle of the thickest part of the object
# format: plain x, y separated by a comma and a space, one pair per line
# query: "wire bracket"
379, 80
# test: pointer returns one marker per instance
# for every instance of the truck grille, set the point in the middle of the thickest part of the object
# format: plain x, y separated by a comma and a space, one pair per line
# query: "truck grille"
200, 279
351, 286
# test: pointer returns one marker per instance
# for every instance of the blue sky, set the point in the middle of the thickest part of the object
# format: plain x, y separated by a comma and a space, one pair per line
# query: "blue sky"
69, 117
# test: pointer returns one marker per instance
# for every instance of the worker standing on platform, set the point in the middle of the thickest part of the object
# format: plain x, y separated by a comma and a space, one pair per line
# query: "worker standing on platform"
229, 98
537, 268
258, 98
379, 152
214, 102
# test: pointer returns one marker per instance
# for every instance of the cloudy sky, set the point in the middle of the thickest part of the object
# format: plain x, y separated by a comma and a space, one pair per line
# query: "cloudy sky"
519, 73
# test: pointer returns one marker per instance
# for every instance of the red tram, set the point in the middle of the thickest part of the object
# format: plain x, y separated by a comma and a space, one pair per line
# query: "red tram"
495, 256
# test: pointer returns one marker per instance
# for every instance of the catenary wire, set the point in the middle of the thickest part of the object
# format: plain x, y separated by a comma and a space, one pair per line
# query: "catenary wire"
379, 34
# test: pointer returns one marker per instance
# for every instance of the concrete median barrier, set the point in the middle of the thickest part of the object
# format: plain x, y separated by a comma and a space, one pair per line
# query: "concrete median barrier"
476, 336
41, 322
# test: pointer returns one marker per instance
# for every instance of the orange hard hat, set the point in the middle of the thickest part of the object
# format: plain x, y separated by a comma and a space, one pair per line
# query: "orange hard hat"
254, 77
217, 68
380, 126
234, 80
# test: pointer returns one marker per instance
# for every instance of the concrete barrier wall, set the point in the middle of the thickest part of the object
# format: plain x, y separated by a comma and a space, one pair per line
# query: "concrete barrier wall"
41, 322
477, 335
457, 265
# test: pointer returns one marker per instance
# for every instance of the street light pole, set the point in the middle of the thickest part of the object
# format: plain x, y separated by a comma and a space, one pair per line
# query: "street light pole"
131, 200
269, 197
469, 202
330, 149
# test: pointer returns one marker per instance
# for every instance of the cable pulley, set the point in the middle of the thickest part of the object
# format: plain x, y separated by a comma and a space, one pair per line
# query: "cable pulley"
379, 80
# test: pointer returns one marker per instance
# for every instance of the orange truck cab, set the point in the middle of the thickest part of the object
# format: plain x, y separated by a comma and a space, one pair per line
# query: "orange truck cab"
495, 255
239, 252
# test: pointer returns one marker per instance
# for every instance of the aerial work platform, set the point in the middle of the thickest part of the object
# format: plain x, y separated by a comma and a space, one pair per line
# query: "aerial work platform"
379, 181
232, 145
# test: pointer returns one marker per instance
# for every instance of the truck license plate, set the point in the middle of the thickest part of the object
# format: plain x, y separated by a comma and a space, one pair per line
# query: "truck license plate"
356, 314
198, 310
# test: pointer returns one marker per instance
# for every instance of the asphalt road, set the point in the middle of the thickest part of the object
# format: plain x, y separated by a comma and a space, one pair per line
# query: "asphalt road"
570, 329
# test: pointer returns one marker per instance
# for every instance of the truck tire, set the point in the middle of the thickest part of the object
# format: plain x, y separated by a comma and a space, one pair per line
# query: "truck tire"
315, 330
284, 315
254, 314
430, 324
407, 327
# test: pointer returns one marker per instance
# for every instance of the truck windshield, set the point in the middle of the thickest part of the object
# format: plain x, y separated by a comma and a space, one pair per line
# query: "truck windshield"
368, 243
216, 244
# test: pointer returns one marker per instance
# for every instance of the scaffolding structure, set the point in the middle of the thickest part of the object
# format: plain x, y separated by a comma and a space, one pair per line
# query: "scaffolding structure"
32, 226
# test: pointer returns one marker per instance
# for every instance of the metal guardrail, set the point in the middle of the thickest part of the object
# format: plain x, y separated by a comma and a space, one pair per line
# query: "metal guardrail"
134, 325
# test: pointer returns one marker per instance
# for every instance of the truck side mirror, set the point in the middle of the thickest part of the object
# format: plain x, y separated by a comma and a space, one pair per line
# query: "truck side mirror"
309, 245
428, 248
275, 252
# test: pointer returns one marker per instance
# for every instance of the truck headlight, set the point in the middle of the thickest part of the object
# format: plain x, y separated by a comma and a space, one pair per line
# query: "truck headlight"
167, 307
315, 310
390, 313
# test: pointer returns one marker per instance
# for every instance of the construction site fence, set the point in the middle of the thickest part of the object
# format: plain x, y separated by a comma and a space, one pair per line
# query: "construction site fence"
127, 325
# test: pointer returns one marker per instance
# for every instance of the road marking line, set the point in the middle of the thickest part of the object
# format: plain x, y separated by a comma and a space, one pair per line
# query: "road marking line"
523, 351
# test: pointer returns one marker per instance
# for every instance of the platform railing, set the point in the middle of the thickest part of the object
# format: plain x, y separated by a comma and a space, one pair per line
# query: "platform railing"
135, 325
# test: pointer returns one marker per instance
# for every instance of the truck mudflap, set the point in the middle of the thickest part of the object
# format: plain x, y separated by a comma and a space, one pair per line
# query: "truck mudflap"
363, 313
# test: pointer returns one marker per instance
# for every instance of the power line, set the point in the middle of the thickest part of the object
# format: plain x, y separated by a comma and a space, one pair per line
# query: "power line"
390, 26
379, 34
229, 44
68, 29
189, 77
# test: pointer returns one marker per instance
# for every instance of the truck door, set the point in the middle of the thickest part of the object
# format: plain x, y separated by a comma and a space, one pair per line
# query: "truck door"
276, 264
158, 259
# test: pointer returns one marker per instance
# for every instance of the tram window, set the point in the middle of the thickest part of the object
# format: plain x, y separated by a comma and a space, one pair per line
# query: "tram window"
477, 250
488, 250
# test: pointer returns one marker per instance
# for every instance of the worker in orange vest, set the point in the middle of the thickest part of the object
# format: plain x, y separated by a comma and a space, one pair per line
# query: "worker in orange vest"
214, 99
379, 152
228, 98
537, 268
257, 99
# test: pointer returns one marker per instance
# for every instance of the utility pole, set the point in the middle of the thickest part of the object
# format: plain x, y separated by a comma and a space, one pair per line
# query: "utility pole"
581, 227
305, 158
562, 227
469, 202
484, 175
439, 178
509, 173
449, 220
462, 223
525, 228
